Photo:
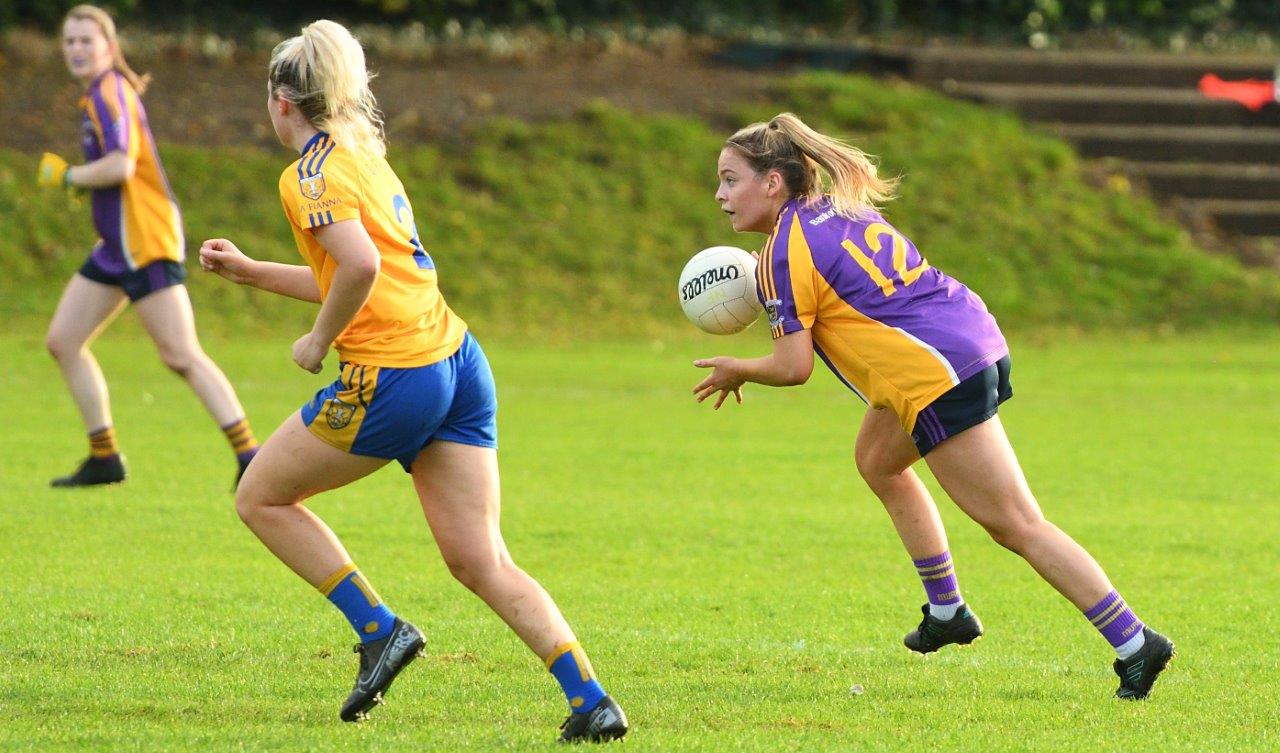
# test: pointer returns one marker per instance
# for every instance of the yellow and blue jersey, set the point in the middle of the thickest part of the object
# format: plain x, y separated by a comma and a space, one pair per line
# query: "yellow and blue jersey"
138, 221
405, 322
892, 328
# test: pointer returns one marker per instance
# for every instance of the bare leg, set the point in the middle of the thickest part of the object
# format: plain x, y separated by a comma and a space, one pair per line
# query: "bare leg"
292, 466
168, 318
459, 489
884, 454
980, 472
84, 311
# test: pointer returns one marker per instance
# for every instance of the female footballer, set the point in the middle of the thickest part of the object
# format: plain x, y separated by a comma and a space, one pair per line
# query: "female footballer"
413, 385
138, 257
922, 351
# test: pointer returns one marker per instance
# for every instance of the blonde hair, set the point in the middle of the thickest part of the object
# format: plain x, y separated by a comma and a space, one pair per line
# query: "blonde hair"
813, 165
322, 72
103, 20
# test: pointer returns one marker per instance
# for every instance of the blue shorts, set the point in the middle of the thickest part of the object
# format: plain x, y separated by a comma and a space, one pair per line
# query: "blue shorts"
964, 406
391, 413
138, 283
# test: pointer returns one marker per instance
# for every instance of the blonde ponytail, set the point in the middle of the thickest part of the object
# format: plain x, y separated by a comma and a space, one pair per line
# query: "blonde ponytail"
813, 165
103, 20
322, 71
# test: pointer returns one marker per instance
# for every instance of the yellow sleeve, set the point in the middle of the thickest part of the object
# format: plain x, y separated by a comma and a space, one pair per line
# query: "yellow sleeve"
321, 189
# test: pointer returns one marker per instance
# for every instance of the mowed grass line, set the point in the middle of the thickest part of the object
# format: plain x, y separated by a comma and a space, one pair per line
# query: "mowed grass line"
731, 577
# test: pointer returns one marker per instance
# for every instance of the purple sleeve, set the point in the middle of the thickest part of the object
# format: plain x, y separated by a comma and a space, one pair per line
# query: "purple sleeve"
777, 289
111, 110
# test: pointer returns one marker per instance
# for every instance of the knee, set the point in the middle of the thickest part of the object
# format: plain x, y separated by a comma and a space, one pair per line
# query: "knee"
874, 470
474, 570
253, 502
180, 360
247, 506
61, 348
1016, 534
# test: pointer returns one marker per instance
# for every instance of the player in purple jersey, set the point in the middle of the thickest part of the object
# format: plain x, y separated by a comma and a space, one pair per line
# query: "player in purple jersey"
922, 350
138, 257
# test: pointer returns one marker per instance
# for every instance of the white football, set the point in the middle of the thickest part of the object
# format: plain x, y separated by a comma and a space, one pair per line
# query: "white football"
718, 290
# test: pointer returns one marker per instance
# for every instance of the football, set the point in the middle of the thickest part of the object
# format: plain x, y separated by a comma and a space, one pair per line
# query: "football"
718, 290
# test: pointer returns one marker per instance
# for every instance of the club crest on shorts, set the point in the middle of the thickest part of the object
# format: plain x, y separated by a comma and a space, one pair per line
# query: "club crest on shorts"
339, 414
312, 186
773, 307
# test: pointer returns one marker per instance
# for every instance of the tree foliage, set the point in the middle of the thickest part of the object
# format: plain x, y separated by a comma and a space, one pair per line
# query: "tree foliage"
1001, 17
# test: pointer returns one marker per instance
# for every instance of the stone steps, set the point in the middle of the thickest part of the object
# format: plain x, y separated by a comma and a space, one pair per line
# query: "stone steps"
1248, 217
1174, 143
1119, 105
1023, 66
1198, 180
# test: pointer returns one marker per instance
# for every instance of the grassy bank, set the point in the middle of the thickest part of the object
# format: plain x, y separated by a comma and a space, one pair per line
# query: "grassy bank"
581, 226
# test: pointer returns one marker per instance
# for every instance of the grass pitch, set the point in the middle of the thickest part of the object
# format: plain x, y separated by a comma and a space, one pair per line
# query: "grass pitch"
735, 584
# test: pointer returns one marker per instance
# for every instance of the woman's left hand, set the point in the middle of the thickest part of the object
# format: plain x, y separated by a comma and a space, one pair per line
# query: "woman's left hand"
724, 378
309, 352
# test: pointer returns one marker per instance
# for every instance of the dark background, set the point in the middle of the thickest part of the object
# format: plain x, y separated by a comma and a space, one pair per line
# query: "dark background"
990, 18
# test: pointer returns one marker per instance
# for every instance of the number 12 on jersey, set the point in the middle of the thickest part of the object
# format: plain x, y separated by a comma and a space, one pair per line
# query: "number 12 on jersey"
904, 275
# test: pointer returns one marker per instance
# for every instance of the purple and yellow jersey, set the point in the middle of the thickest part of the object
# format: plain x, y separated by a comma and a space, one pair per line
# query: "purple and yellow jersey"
138, 221
896, 331
406, 321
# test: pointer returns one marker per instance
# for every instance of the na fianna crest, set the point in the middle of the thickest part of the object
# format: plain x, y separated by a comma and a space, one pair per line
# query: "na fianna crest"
312, 186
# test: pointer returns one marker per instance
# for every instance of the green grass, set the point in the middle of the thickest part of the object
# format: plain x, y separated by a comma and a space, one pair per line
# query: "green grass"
580, 227
728, 572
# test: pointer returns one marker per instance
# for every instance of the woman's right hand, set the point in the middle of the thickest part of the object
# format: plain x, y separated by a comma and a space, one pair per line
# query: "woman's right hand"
221, 256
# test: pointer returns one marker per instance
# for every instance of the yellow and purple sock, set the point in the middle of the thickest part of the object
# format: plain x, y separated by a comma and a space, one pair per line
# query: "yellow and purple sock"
571, 668
938, 575
1118, 624
102, 443
359, 603
243, 443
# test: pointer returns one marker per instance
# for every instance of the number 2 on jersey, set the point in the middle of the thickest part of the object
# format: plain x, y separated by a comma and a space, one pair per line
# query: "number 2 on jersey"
420, 256
868, 264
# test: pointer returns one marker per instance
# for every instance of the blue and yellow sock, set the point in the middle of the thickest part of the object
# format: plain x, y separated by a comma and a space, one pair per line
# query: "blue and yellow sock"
571, 668
360, 604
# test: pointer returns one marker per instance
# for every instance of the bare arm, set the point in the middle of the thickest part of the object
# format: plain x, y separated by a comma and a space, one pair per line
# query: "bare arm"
790, 363
349, 244
112, 169
221, 256
358, 261
292, 280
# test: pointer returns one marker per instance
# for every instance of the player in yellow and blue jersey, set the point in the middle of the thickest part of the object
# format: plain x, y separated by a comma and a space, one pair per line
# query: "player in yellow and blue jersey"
138, 257
837, 280
413, 385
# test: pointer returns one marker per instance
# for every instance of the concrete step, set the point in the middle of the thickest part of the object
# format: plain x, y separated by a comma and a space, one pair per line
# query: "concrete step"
1025, 66
1198, 180
1118, 105
1254, 218
1174, 143
840, 56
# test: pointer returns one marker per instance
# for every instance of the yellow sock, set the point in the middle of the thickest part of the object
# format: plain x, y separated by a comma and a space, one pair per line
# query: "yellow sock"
102, 443
240, 435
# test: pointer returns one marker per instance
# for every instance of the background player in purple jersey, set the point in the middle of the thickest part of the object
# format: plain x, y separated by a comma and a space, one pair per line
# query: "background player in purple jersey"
923, 352
138, 257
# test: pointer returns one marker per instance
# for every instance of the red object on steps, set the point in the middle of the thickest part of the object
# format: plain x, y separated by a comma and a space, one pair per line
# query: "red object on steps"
1252, 93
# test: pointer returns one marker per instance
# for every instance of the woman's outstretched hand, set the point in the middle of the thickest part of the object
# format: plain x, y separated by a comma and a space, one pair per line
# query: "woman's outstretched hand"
724, 378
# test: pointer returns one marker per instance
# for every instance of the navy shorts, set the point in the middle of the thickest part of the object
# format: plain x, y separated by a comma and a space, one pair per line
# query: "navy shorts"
138, 283
963, 406
391, 413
